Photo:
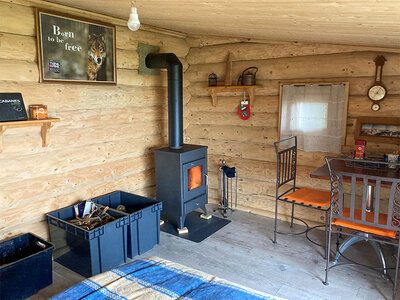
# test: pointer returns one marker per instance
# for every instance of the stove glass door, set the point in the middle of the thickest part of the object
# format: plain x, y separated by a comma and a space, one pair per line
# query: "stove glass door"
194, 178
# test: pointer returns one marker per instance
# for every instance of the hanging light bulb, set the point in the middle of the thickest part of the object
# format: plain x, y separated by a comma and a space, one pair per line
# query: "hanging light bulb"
133, 22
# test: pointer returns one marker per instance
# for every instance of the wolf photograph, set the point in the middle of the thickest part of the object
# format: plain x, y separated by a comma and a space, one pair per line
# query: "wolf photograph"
96, 55
75, 50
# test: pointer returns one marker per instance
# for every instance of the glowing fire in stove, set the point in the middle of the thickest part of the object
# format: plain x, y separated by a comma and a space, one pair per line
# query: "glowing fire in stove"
195, 178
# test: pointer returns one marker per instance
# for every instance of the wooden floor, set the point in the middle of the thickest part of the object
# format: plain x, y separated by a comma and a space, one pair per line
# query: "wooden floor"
243, 252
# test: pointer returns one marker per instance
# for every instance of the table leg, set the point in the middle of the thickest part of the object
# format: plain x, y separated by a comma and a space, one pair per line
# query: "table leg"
351, 240
378, 250
370, 198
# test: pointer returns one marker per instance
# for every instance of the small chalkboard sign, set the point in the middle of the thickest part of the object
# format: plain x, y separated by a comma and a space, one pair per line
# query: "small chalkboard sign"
12, 107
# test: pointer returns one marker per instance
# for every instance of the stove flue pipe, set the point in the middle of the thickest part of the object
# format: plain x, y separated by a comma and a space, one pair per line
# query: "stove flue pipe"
175, 102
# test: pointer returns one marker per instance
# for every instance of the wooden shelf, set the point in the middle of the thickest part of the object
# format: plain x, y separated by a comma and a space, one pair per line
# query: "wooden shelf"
45, 124
213, 90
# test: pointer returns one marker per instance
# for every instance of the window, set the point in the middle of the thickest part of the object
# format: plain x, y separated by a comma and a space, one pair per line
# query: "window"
316, 113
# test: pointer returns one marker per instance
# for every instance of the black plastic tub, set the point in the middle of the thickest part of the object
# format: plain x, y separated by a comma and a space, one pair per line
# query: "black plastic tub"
88, 252
144, 219
25, 266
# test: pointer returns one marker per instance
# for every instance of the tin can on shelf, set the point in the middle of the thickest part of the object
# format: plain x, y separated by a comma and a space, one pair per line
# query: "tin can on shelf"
360, 149
38, 111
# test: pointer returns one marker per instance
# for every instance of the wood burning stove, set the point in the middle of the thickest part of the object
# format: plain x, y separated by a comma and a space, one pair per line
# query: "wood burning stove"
181, 181
181, 169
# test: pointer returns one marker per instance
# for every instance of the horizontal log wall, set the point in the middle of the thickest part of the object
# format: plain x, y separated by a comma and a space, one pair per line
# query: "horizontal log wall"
248, 145
106, 136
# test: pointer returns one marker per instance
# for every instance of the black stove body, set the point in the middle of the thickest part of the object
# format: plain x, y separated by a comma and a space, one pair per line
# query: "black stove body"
181, 181
181, 169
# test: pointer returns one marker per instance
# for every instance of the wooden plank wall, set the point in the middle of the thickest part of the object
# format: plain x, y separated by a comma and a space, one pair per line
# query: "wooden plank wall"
248, 145
105, 139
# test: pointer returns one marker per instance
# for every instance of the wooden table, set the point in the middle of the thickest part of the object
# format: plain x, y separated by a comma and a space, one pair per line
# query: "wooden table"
323, 172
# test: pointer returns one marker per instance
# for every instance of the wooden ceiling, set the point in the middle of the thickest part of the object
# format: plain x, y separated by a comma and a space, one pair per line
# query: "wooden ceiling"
355, 22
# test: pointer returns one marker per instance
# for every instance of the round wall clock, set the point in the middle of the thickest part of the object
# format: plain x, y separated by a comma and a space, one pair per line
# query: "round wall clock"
377, 92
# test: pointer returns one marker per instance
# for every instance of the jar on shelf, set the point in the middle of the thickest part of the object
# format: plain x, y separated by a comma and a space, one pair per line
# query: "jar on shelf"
38, 112
359, 149
212, 79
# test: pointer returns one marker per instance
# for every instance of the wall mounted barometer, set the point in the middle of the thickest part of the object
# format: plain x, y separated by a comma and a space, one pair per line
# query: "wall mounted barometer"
377, 92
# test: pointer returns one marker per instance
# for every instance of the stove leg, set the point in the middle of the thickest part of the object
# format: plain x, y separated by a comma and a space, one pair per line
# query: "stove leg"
204, 214
207, 217
182, 230
181, 223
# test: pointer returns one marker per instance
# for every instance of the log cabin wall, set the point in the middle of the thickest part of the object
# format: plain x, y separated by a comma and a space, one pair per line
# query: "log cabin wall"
106, 136
248, 145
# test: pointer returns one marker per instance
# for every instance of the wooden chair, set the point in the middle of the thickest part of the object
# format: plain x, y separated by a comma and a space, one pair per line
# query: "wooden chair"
349, 210
286, 179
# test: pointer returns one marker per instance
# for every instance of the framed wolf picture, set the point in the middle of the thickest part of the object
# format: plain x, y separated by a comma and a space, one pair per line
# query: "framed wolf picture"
76, 50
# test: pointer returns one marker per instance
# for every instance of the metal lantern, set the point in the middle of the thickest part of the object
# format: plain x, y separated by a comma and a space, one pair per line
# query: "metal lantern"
212, 79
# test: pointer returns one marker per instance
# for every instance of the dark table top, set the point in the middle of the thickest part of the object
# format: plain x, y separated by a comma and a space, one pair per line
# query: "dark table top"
323, 172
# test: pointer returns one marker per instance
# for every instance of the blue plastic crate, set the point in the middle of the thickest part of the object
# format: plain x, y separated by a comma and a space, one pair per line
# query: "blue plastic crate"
144, 214
25, 266
88, 252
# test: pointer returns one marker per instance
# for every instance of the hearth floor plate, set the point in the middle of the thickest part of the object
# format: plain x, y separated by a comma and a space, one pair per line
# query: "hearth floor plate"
199, 228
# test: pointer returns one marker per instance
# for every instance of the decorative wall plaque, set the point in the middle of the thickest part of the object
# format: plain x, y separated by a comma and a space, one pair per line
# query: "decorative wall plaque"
73, 49
12, 107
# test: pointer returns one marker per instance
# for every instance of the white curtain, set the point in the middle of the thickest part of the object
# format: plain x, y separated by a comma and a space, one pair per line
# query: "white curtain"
315, 114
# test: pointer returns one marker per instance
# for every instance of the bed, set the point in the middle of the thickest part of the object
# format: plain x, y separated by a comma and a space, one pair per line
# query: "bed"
156, 278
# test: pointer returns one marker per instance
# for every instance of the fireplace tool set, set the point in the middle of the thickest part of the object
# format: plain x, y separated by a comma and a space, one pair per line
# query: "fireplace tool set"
227, 175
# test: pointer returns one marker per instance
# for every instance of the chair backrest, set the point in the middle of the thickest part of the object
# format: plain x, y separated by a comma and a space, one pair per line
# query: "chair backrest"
286, 158
362, 175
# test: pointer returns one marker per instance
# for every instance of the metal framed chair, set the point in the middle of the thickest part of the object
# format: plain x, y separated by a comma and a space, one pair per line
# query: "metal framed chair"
286, 155
349, 210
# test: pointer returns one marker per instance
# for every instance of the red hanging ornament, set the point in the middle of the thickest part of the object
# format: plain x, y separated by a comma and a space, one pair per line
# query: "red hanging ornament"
244, 110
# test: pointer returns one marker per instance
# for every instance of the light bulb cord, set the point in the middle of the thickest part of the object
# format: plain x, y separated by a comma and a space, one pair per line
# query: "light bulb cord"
133, 21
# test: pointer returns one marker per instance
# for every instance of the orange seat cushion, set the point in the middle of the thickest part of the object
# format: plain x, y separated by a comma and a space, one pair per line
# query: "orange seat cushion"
311, 197
382, 219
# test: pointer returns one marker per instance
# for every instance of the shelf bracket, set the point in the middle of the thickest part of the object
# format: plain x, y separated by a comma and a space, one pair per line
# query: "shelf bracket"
213, 94
250, 91
45, 133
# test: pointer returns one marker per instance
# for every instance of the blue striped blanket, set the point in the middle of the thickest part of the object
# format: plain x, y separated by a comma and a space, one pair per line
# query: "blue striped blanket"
155, 278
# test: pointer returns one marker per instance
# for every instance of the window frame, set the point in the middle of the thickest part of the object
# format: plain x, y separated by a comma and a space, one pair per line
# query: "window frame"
345, 106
